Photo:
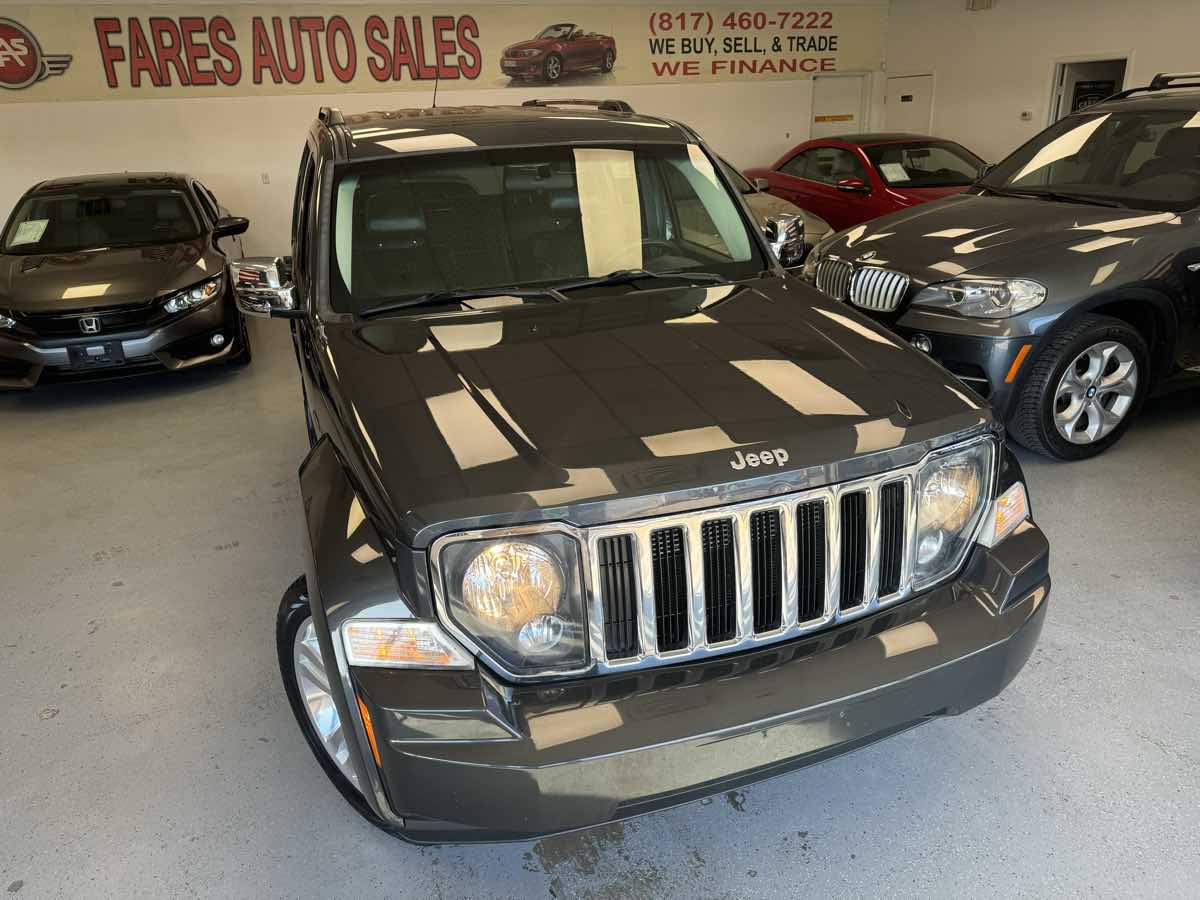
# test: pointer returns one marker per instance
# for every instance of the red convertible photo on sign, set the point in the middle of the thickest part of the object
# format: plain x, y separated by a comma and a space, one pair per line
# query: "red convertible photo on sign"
558, 50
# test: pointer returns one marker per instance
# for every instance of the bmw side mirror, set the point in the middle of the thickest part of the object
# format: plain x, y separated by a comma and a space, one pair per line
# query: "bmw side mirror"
853, 186
229, 226
263, 286
761, 185
785, 234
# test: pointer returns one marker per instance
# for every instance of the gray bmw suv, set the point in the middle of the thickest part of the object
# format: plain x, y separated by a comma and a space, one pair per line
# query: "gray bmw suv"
1065, 285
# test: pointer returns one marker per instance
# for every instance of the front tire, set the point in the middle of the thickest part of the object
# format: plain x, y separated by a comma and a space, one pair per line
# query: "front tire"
552, 68
1086, 387
609, 59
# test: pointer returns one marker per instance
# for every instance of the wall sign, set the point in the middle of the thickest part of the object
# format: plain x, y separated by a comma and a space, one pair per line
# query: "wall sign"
120, 52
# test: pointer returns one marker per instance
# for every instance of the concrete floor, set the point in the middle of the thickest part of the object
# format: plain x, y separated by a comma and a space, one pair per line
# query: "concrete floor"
150, 526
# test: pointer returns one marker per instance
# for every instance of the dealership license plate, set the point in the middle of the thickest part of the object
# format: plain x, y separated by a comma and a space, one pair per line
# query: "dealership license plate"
95, 356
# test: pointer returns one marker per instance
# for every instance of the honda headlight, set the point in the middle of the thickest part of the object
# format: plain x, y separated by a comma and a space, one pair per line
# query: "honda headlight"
952, 494
7, 321
197, 295
988, 298
520, 599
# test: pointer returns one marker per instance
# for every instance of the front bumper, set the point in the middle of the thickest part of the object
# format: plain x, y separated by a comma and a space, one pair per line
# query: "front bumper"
178, 344
465, 756
523, 67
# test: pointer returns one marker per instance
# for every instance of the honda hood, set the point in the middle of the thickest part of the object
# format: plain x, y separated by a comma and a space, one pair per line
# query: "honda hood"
542, 411
984, 235
98, 279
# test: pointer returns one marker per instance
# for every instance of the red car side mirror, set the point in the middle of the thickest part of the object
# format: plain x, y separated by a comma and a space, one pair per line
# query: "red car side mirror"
853, 186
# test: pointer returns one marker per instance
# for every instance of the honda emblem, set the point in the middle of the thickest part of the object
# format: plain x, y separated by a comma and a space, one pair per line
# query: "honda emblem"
89, 324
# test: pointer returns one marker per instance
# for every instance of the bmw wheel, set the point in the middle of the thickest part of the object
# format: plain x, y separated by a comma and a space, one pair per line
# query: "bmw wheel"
552, 68
1084, 390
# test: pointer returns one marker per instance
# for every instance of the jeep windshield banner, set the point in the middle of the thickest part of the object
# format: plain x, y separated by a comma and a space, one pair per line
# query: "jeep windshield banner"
51, 52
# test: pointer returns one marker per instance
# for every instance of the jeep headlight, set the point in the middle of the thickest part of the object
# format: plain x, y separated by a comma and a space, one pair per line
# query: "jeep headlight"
951, 498
520, 599
988, 298
196, 295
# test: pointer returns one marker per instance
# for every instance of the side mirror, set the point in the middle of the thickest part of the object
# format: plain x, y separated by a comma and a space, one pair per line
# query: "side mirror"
263, 286
785, 234
229, 226
853, 186
762, 185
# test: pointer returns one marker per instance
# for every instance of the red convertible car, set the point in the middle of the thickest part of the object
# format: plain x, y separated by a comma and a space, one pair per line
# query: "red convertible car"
558, 50
850, 179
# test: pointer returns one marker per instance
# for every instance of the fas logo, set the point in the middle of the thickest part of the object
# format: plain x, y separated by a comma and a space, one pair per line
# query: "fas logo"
22, 61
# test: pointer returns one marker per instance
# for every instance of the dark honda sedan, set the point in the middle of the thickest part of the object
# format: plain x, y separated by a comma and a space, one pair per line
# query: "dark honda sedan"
109, 275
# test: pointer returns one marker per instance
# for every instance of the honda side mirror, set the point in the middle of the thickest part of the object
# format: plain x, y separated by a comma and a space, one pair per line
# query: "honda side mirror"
230, 226
762, 185
853, 186
263, 286
785, 234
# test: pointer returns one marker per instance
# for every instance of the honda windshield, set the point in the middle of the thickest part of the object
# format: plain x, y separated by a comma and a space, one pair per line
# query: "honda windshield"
69, 221
1145, 159
533, 218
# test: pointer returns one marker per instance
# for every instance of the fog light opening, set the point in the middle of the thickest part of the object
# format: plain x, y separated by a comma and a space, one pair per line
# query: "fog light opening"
922, 343
217, 340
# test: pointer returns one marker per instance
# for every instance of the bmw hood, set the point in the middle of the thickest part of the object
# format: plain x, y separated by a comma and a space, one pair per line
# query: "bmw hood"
986, 235
559, 411
98, 279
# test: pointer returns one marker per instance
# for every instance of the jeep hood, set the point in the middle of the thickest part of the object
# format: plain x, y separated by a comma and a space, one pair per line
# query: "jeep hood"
585, 410
985, 235
97, 279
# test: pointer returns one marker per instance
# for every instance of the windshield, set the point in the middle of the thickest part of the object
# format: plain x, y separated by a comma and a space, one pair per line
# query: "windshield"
114, 217
919, 164
557, 31
530, 218
1147, 159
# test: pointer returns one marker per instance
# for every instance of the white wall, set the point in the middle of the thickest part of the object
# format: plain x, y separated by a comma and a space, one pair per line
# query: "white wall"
988, 66
228, 143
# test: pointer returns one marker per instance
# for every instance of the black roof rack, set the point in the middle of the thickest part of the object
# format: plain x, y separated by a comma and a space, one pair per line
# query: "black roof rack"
1161, 82
607, 105
331, 115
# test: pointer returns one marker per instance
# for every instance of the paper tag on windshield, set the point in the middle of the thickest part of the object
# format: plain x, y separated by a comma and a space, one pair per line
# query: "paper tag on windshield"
29, 232
893, 171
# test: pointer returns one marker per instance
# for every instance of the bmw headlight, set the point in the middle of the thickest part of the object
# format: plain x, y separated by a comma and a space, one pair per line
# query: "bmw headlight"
528, 53
519, 598
197, 295
988, 298
952, 494
809, 272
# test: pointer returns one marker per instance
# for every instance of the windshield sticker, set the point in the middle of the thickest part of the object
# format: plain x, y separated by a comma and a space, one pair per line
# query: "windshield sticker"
29, 232
893, 172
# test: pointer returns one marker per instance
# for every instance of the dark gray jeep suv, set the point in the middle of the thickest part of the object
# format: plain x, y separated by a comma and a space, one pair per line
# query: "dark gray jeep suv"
1065, 285
606, 511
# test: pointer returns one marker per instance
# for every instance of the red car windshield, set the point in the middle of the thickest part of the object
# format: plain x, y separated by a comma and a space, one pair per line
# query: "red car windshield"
925, 164
557, 31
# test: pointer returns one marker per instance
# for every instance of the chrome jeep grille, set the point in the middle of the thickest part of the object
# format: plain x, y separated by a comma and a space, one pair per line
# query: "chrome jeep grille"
728, 578
879, 289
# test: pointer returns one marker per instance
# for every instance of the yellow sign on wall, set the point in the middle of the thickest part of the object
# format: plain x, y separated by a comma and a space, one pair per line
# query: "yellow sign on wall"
119, 52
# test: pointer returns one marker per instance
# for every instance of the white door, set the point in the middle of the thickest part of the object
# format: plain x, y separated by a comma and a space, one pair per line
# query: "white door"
839, 105
909, 104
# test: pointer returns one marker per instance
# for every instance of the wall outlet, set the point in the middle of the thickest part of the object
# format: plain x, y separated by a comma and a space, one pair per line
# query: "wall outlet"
1026, 115
266, 177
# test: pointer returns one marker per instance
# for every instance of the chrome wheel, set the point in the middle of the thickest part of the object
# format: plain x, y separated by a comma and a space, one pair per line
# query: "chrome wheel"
553, 68
1095, 392
313, 682
608, 61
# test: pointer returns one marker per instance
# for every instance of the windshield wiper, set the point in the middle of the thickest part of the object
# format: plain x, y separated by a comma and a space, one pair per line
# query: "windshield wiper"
1059, 196
626, 276
450, 295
